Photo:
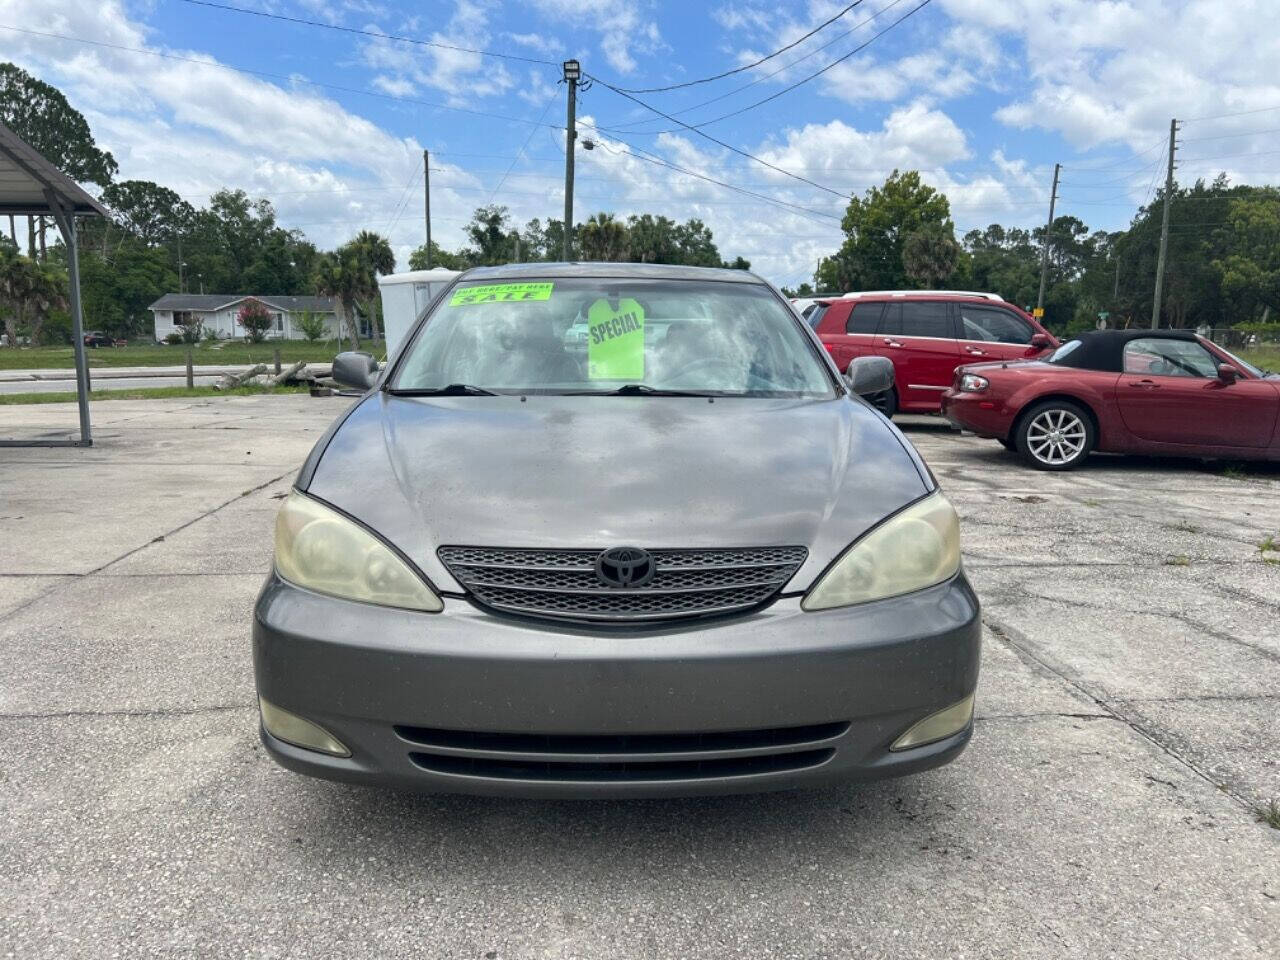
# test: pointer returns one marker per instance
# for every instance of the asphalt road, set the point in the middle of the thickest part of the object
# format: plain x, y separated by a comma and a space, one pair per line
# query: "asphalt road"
1128, 725
103, 383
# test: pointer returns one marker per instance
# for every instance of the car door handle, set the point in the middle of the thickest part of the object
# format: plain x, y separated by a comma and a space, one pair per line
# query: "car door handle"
1145, 384
975, 351
889, 341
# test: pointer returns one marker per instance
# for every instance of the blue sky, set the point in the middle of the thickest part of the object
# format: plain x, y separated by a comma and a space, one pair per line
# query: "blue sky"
983, 96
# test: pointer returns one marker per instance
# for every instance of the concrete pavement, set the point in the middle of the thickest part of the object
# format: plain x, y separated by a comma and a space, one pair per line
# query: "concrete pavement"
1128, 725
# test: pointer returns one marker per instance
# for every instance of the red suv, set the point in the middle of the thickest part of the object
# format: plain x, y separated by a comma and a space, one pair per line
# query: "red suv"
927, 334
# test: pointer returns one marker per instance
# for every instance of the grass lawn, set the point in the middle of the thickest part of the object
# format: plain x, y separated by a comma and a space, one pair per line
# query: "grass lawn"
1266, 356
225, 352
145, 393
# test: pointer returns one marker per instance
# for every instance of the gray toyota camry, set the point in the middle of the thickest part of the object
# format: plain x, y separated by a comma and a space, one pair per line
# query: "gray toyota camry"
614, 530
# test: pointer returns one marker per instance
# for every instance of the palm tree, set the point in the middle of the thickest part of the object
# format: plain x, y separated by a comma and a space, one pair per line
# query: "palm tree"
28, 291
603, 238
372, 256
336, 277
929, 255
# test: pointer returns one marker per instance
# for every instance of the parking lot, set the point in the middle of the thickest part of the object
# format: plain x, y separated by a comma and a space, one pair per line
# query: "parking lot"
1128, 731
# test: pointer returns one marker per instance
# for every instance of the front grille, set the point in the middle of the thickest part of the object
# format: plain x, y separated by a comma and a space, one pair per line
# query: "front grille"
620, 743
621, 758
562, 584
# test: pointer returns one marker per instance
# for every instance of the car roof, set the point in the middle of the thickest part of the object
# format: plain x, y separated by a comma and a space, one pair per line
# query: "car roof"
1103, 349
642, 271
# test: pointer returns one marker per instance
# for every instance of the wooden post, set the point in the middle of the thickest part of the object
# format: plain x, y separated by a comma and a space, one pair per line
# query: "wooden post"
277, 358
191, 374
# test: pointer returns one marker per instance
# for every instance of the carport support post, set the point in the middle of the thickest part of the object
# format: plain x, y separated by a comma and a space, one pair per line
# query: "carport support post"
66, 221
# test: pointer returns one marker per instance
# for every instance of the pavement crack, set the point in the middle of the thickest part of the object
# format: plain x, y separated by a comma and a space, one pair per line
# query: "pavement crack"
1022, 644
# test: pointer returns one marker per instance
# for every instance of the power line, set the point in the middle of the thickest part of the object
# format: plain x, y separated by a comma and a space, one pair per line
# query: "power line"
519, 153
785, 90
749, 66
639, 154
274, 76
1229, 136
1241, 113
302, 21
740, 152
631, 127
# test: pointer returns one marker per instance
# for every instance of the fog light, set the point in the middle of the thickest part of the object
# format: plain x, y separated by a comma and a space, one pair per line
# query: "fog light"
937, 726
293, 729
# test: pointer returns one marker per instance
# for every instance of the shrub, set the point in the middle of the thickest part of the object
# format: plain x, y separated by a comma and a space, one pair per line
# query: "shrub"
256, 321
310, 324
173, 339
211, 336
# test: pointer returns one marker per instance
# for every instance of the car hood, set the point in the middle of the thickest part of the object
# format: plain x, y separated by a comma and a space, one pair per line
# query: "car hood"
588, 472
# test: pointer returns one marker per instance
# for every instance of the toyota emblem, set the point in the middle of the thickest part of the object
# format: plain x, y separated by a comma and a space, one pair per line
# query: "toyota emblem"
624, 567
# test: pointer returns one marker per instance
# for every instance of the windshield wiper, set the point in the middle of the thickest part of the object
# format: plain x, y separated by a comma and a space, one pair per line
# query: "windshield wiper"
452, 390
644, 390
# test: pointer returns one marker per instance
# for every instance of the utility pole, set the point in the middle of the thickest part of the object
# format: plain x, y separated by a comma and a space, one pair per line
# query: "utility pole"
572, 73
426, 199
1048, 228
1164, 226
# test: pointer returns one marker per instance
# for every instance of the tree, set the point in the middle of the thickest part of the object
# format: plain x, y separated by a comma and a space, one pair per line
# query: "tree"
336, 276
602, 238
310, 324
439, 258
804, 290
1251, 271
491, 236
255, 319
876, 228
930, 254
739, 263
371, 256
41, 115
147, 211
29, 291
653, 239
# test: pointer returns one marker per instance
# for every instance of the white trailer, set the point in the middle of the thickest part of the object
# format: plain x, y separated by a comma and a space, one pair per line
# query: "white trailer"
405, 296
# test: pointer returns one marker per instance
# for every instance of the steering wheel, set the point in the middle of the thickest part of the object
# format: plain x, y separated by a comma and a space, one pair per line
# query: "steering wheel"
753, 381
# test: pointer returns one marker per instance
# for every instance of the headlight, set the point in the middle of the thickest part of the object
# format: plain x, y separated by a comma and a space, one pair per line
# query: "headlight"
972, 383
320, 549
911, 550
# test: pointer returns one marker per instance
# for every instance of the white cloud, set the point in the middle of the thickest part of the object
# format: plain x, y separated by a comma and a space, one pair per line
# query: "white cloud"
1116, 71
462, 77
627, 34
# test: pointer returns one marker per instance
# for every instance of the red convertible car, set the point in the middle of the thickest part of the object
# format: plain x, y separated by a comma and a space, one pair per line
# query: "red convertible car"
1122, 391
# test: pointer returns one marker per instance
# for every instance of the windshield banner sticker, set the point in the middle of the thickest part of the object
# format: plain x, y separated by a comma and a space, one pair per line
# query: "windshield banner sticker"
615, 341
501, 293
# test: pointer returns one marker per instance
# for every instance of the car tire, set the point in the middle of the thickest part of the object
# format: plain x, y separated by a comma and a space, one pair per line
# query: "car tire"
886, 403
1055, 435
1008, 444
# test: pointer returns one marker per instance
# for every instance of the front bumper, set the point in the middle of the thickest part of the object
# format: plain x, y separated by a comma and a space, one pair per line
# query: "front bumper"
465, 702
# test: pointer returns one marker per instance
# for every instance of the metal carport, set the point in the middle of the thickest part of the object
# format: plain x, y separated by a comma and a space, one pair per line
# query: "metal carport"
31, 186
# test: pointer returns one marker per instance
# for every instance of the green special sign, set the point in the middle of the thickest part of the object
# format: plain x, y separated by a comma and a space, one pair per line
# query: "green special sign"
615, 341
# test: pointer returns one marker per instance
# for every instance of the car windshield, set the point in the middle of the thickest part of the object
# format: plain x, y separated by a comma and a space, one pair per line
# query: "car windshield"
1256, 371
609, 334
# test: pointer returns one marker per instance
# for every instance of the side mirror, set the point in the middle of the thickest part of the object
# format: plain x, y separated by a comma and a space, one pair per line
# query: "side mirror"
869, 375
1227, 373
1041, 341
357, 370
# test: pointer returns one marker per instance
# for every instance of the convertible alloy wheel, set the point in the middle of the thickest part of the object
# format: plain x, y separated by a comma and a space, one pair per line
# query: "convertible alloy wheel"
1056, 436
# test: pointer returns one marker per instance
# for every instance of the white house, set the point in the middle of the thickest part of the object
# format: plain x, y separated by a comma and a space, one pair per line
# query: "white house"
218, 312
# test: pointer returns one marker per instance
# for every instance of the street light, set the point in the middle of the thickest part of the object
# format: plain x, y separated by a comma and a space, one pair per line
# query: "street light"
572, 70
